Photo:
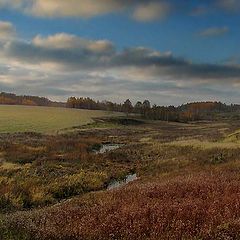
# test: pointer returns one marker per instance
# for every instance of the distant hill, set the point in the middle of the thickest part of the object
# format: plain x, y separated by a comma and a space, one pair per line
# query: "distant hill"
13, 99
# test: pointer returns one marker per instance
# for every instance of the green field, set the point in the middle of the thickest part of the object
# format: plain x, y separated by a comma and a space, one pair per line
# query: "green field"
43, 119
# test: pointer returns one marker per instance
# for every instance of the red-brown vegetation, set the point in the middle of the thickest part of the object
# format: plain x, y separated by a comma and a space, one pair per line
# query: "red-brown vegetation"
201, 206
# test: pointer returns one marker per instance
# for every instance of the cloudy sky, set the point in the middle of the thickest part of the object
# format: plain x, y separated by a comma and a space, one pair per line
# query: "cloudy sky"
169, 52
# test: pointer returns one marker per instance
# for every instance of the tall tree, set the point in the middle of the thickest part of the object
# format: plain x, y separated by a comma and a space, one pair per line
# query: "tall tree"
146, 107
138, 107
127, 107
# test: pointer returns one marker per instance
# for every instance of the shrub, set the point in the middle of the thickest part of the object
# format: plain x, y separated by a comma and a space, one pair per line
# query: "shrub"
77, 184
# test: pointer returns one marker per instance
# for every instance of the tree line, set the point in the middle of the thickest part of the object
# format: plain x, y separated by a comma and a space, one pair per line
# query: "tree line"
13, 99
186, 112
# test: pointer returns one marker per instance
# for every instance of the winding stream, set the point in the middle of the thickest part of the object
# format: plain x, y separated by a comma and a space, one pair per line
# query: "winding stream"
108, 147
117, 184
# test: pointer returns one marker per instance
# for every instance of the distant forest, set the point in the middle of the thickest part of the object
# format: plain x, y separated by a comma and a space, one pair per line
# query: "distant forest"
186, 112
13, 99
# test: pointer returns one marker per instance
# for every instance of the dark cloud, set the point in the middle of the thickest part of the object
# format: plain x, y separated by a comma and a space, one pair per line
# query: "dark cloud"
60, 85
84, 58
62, 65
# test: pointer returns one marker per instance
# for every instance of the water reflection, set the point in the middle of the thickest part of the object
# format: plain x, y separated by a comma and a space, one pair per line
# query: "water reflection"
117, 184
108, 147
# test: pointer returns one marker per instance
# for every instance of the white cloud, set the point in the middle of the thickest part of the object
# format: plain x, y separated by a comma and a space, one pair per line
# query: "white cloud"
67, 41
7, 30
152, 11
11, 3
214, 31
63, 8
143, 10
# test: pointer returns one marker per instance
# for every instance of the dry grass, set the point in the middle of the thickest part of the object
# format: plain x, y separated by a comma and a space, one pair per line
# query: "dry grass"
203, 206
40, 170
188, 186
43, 119
9, 166
206, 144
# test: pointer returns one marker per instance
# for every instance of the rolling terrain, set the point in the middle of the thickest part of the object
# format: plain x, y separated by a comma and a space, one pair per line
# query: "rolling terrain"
187, 187
43, 119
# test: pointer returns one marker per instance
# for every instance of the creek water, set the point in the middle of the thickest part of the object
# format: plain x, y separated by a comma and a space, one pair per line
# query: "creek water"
108, 147
116, 183
120, 183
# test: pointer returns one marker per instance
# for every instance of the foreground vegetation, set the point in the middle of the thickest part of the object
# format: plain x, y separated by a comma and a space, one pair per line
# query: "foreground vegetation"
43, 119
187, 187
41, 170
203, 206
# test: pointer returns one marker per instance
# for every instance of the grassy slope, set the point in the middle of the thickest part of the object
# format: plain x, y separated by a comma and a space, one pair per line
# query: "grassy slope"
188, 188
43, 119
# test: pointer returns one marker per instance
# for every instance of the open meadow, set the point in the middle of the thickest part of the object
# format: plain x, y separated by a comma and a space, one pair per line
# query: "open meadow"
43, 119
187, 186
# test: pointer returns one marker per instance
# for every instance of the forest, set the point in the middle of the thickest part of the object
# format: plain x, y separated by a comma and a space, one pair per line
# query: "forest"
183, 113
13, 99
195, 111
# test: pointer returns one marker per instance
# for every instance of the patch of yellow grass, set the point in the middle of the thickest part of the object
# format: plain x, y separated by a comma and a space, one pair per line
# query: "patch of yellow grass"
44, 119
233, 137
205, 144
10, 166
145, 139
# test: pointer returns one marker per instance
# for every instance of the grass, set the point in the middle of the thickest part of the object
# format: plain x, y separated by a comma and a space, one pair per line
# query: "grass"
187, 187
234, 137
206, 144
38, 170
43, 119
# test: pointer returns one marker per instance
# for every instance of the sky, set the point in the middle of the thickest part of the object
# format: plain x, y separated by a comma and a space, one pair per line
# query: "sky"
170, 52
